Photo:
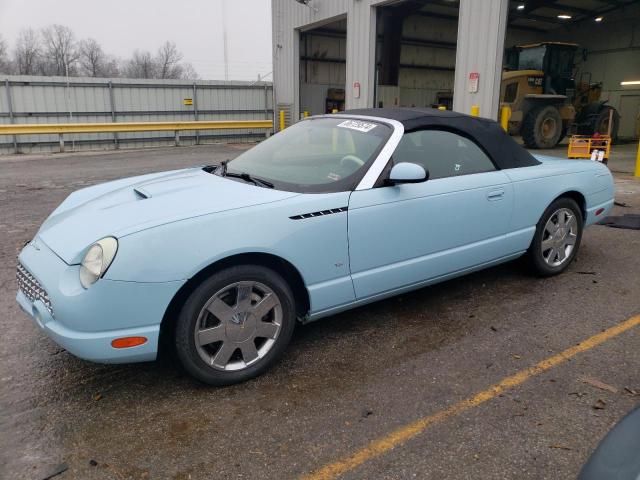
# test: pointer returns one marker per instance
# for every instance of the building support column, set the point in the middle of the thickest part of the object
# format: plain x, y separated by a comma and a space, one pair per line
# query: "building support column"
361, 54
481, 32
286, 69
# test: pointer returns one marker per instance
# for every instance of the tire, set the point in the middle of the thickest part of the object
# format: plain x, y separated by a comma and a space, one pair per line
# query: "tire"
601, 122
225, 313
542, 127
548, 255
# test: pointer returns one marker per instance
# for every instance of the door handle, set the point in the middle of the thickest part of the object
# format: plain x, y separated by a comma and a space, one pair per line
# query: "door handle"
494, 195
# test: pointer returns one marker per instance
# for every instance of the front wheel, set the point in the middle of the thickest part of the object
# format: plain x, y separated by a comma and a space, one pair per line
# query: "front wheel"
542, 127
557, 239
235, 325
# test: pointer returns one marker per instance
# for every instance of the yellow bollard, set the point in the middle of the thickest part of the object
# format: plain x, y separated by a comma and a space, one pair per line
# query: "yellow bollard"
335, 110
505, 115
637, 173
281, 120
475, 110
442, 107
305, 114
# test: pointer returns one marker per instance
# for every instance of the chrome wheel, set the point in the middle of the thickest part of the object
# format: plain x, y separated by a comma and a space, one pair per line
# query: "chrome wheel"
559, 237
238, 325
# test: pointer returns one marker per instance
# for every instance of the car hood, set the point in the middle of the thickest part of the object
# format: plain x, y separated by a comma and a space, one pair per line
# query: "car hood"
126, 206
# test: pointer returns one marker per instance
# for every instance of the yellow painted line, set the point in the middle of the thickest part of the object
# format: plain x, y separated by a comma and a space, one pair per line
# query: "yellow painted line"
401, 435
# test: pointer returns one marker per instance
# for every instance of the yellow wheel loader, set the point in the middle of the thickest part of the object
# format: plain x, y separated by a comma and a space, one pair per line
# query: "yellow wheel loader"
546, 101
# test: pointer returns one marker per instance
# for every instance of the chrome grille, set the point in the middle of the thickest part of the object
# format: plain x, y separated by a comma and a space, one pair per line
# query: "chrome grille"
32, 289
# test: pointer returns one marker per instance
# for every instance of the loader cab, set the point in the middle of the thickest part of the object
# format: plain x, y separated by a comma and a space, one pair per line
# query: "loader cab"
553, 59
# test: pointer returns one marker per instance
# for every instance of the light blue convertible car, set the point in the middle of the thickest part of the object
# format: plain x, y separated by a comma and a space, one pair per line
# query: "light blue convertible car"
220, 262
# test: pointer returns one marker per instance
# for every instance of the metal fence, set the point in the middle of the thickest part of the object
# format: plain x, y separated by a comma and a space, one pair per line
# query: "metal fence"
41, 100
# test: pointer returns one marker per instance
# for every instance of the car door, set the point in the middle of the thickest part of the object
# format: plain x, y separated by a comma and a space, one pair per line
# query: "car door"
457, 220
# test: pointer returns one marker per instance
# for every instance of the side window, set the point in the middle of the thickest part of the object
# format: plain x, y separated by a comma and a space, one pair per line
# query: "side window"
442, 153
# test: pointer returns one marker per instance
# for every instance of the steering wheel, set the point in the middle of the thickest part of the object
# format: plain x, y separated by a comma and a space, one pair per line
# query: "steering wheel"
353, 160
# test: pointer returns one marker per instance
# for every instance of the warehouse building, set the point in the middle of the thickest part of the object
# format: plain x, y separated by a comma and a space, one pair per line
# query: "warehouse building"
340, 54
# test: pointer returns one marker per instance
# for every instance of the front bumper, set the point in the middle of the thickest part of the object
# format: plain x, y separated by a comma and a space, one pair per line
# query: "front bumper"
85, 322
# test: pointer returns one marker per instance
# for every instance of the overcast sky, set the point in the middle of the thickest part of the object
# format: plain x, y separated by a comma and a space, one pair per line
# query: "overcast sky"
121, 26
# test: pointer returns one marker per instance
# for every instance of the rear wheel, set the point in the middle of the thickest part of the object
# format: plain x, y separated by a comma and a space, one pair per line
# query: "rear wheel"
235, 325
542, 127
557, 239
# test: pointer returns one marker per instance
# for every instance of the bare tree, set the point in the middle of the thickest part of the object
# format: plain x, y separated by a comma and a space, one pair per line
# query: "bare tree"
54, 51
60, 50
168, 61
141, 65
91, 58
112, 67
27, 52
188, 72
5, 64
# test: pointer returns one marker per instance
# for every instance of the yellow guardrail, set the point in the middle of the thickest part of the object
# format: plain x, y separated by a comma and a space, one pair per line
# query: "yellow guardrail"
117, 127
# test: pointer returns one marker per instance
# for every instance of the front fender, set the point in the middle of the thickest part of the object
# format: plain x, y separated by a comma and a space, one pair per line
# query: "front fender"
317, 247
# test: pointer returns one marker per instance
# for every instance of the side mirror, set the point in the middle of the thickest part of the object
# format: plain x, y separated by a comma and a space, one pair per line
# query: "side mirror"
406, 172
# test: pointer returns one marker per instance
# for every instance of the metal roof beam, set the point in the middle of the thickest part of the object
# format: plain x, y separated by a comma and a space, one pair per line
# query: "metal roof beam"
532, 5
568, 8
612, 8
539, 18
331, 33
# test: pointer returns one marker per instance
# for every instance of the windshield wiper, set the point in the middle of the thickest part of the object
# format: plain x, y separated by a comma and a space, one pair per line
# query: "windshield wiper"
222, 169
248, 178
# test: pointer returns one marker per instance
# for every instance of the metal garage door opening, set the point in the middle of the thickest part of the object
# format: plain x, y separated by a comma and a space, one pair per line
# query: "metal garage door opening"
569, 68
416, 54
323, 68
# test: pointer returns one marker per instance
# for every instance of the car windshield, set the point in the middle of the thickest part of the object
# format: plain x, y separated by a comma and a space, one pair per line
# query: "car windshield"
315, 155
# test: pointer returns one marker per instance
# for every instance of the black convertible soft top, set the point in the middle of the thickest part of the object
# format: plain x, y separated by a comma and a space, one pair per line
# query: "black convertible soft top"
502, 149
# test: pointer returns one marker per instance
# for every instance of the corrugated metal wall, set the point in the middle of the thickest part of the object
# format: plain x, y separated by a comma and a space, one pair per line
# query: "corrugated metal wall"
29, 99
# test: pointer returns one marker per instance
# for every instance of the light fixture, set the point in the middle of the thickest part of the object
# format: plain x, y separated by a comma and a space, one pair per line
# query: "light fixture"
598, 19
630, 82
564, 16
520, 7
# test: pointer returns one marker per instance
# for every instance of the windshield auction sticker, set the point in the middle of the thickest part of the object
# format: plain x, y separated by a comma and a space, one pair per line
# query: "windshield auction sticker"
363, 127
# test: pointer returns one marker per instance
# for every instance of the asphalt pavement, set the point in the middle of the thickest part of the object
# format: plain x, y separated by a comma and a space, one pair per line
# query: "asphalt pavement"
391, 390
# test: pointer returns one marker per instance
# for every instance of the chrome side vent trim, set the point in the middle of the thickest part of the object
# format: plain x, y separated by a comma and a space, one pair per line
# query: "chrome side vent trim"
319, 214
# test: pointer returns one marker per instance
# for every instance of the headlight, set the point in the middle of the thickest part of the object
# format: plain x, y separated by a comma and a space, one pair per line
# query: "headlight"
97, 260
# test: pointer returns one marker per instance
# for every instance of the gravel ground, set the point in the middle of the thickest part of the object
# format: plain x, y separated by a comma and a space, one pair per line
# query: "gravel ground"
345, 381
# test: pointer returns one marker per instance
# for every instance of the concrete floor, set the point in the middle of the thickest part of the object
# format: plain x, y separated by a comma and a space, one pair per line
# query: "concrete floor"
346, 380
